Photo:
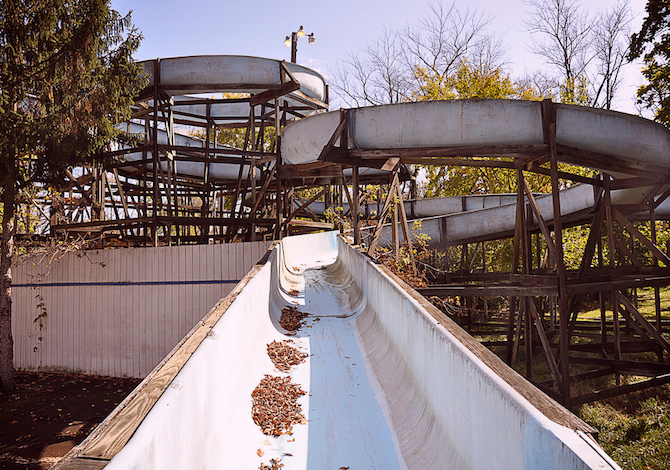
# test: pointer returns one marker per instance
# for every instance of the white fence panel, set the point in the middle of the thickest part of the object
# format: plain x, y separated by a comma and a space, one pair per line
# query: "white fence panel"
118, 312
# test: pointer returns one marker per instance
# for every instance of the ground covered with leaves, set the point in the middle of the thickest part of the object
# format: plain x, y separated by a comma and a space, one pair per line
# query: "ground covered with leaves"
48, 414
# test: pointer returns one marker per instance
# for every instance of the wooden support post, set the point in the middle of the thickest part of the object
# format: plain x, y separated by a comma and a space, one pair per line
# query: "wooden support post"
123, 197
111, 196
405, 229
278, 164
525, 268
356, 213
614, 294
252, 169
545, 344
549, 131
601, 296
154, 153
464, 259
345, 188
587, 257
327, 197
171, 158
551, 246
512, 335
395, 239
657, 292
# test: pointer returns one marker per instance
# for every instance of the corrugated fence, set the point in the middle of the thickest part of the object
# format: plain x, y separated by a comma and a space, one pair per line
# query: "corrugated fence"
119, 312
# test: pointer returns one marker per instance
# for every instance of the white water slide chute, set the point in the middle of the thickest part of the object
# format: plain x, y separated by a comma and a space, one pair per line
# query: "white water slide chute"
390, 381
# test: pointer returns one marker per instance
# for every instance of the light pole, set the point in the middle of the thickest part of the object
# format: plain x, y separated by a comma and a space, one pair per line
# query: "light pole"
292, 41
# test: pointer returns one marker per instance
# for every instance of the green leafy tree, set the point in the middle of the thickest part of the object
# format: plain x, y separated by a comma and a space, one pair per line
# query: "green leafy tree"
574, 91
653, 41
477, 82
470, 81
66, 79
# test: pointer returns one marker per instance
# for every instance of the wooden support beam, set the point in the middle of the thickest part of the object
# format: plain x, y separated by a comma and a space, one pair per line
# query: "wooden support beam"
513, 335
643, 239
522, 222
278, 175
611, 163
337, 135
545, 343
309, 211
345, 188
538, 216
657, 202
305, 204
635, 182
79, 186
264, 188
631, 322
269, 95
587, 256
121, 193
487, 290
644, 369
657, 293
382, 215
395, 238
644, 323
621, 390
111, 195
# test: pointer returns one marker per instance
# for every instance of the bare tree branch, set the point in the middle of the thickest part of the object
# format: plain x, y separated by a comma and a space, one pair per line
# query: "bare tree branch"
385, 70
611, 47
586, 52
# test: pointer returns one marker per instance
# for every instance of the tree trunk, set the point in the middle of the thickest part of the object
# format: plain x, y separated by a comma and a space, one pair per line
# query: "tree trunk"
6, 250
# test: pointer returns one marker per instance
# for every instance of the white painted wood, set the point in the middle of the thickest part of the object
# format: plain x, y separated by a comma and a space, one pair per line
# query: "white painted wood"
97, 326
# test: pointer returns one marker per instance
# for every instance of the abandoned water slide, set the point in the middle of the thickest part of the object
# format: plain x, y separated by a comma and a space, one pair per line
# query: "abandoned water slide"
389, 382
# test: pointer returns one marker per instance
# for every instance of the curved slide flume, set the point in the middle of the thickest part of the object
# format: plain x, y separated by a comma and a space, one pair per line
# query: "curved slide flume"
595, 138
189, 82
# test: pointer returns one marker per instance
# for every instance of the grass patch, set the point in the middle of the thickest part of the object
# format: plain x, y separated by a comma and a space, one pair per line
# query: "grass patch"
646, 306
634, 429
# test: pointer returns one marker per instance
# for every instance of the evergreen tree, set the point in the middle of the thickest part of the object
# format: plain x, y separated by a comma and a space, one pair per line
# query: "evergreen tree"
66, 79
653, 41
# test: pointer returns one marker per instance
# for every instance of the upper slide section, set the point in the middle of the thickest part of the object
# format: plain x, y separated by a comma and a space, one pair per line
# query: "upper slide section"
178, 76
483, 123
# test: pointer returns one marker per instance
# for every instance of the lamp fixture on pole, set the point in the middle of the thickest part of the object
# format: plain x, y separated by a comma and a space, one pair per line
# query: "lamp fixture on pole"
292, 41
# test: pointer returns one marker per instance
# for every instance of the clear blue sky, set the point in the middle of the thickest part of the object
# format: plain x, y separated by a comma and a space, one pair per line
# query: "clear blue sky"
258, 28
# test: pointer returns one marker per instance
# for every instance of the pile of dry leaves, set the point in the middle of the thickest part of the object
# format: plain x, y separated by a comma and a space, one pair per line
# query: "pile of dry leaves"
276, 409
284, 356
292, 318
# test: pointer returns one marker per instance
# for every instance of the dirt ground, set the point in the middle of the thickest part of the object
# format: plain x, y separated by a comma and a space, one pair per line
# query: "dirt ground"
51, 413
